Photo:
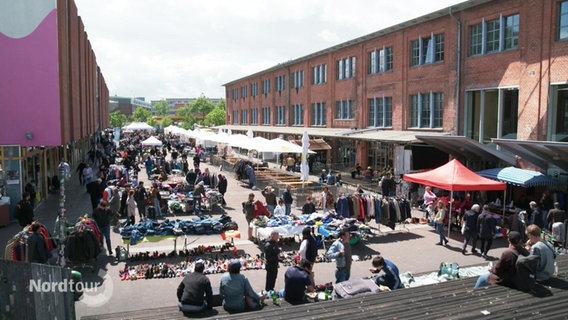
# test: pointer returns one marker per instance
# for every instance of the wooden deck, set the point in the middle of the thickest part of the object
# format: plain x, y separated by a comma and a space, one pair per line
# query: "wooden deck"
448, 300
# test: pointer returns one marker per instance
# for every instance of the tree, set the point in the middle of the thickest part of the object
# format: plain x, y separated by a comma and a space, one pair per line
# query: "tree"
187, 118
201, 107
141, 114
151, 121
215, 117
166, 121
221, 104
161, 108
117, 119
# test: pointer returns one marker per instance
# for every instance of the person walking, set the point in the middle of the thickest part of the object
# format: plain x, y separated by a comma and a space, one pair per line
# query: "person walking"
222, 187
25, 211
102, 216
340, 250
248, 210
271, 254
439, 221
470, 228
30, 188
486, 227
141, 196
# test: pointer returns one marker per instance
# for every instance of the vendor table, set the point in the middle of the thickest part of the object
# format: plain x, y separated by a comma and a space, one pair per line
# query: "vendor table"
284, 231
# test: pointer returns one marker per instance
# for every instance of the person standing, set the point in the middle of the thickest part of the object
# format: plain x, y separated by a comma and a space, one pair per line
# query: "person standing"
270, 198
327, 200
250, 174
130, 208
504, 272
486, 227
95, 192
340, 250
429, 201
141, 196
155, 199
114, 206
536, 215
555, 215
79, 172
271, 254
88, 174
248, 210
30, 188
102, 216
308, 249
439, 221
287, 196
546, 204
470, 228
222, 187
390, 276
37, 248
194, 293
123, 199
25, 211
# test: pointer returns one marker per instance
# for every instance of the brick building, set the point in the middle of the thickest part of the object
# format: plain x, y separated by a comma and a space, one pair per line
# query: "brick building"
53, 94
459, 80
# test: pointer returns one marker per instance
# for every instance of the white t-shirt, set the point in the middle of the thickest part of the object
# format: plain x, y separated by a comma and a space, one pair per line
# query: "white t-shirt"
303, 249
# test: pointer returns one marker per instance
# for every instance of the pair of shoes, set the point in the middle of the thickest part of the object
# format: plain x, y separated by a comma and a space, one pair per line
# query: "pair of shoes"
445, 241
439, 244
473, 251
463, 252
484, 255
110, 253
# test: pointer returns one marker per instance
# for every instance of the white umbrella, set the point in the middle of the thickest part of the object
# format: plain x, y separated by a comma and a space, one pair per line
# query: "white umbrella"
249, 133
152, 141
138, 126
304, 168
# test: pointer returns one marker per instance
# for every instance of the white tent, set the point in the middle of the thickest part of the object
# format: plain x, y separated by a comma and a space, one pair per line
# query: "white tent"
138, 126
175, 130
152, 141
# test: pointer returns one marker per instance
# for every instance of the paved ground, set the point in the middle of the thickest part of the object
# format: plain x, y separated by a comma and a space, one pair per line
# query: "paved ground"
413, 249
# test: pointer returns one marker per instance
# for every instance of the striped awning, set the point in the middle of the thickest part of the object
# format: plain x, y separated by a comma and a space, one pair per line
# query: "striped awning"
517, 176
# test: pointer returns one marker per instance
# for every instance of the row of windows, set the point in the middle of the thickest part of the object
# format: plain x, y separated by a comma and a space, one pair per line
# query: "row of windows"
426, 111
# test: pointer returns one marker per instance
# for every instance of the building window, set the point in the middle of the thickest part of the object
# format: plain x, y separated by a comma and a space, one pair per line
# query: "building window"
280, 83
491, 113
427, 50
235, 94
346, 68
298, 114
281, 115
345, 110
380, 112
320, 74
254, 89
244, 118
318, 114
494, 35
298, 79
380, 60
563, 20
426, 110
266, 115
254, 116
244, 92
235, 117
266, 86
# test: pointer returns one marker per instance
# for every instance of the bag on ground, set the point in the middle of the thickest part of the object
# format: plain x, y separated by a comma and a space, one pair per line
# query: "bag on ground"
355, 287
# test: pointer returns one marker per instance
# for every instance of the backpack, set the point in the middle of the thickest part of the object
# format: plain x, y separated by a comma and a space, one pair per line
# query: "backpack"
525, 278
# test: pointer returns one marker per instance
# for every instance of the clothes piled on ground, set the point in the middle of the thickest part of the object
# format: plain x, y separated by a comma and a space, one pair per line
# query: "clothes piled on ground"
198, 225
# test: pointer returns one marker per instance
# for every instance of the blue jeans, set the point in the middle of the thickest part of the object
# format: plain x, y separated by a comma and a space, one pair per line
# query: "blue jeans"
270, 208
342, 274
482, 280
440, 231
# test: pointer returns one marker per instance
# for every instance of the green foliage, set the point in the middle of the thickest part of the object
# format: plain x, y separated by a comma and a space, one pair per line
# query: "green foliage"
117, 119
187, 117
161, 108
141, 115
166, 121
215, 117
152, 122
201, 106
221, 104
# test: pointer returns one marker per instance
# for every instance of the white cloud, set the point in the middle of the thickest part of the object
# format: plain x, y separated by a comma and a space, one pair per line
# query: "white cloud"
183, 48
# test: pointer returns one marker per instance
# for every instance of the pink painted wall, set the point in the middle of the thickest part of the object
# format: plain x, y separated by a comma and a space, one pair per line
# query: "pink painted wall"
29, 86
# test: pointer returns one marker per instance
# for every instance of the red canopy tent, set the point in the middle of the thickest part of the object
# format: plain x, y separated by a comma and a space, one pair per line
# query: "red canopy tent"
454, 176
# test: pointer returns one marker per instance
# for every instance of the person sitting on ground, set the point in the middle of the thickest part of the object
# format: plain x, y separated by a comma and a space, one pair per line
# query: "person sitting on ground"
504, 272
297, 282
309, 207
390, 276
236, 290
193, 288
323, 176
540, 247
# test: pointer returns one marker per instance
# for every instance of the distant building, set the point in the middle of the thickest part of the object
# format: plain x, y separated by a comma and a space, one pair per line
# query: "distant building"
127, 105
177, 103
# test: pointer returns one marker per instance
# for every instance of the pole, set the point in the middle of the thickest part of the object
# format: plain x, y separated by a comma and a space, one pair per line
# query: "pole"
450, 213
61, 222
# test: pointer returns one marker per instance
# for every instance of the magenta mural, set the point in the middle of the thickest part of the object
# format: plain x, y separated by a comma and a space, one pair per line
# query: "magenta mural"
29, 73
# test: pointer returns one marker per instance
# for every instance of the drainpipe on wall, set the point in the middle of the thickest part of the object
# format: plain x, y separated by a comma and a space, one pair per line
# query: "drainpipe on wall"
458, 71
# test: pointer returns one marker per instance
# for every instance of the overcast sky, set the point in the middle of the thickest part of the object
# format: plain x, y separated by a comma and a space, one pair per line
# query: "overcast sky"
184, 48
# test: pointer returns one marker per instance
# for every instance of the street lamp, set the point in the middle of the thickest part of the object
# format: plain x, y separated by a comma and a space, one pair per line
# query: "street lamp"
61, 222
